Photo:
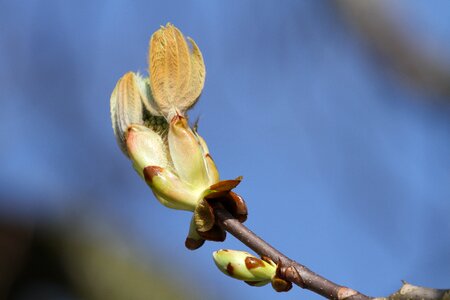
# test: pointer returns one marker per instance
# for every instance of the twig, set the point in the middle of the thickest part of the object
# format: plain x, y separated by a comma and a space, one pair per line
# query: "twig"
305, 278
290, 270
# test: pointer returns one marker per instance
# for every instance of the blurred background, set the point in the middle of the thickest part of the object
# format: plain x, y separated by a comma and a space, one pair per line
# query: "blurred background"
337, 114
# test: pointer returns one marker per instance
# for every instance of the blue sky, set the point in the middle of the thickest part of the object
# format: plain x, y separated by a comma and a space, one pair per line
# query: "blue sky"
346, 164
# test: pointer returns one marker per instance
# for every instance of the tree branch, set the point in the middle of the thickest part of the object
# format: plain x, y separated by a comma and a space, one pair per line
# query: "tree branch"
303, 277
412, 292
290, 270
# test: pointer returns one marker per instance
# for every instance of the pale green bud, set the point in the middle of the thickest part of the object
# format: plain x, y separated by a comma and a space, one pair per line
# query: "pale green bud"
244, 266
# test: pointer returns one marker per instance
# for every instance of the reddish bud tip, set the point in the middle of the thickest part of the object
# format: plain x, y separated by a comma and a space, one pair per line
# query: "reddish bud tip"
253, 262
150, 172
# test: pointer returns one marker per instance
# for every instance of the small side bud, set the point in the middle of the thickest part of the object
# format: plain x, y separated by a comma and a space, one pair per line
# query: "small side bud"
244, 266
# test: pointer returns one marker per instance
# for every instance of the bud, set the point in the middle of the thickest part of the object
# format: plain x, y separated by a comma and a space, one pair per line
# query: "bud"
244, 266
150, 124
254, 271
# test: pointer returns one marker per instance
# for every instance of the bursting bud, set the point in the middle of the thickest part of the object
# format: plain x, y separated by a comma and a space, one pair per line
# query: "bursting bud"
254, 271
150, 122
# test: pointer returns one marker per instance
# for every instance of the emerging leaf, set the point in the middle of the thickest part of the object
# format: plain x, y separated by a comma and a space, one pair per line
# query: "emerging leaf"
126, 107
177, 74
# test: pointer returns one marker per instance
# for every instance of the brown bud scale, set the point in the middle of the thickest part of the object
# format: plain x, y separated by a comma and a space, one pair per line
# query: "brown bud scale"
253, 262
150, 172
230, 269
281, 285
193, 244
252, 283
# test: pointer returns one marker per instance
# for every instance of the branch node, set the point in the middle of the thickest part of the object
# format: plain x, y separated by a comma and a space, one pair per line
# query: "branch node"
293, 275
345, 293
